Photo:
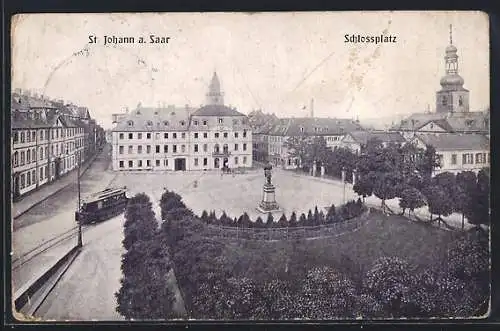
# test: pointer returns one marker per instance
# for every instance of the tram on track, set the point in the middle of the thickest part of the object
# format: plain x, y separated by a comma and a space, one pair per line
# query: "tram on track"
102, 205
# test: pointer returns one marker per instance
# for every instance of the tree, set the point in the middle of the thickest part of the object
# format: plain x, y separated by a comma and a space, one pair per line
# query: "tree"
283, 222
439, 202
270, 220
170, 200
466, 181
244, 221
428, 162
297, 147
259, 223
140, 223
302, 220
412, 199
321, 218
145, 265
330, 216
325, 294
293, 220
386, 185
391, 280
478, 211
204, 216
365, 184
310, 218
278, 300
316, 220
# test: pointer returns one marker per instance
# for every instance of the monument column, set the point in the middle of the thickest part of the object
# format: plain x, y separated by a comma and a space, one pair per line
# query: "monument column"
268, 203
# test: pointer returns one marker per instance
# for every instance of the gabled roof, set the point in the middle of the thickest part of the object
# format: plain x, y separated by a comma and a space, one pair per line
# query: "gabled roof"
451, 122
217, 110
362, 137
455, 141
314, 126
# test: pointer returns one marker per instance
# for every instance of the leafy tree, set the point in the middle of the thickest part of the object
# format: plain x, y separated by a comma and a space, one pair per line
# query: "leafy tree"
297, 147
411, 198
140, 223
168, 201
330, 216
325, 294
466, 181
428, 162
278, 300
391, 280
439, 202
385, 187
478, 211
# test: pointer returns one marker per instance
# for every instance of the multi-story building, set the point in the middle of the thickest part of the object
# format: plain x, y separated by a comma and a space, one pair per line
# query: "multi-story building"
356, 141
457, 152
47, 142
332, 130
171, 138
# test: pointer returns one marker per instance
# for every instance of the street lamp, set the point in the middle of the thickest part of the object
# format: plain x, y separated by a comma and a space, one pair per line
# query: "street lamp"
343, 182
80, 243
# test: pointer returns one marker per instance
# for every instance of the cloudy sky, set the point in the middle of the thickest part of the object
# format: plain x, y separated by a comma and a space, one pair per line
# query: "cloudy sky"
274, 61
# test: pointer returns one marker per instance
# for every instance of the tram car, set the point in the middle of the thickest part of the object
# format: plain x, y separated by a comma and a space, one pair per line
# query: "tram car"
102, 205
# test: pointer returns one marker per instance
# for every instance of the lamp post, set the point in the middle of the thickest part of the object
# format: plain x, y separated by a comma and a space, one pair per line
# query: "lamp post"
80, 243
343, 182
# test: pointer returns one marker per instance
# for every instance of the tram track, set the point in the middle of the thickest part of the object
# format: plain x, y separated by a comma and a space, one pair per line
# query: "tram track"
45, 246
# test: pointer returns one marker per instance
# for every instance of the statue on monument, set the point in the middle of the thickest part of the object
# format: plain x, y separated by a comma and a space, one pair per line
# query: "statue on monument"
267, 173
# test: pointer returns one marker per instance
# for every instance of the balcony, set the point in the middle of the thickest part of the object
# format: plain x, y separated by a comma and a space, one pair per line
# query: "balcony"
219, 153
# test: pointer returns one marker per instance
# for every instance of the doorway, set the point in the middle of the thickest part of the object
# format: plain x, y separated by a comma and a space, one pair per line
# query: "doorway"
216, 163
180, 164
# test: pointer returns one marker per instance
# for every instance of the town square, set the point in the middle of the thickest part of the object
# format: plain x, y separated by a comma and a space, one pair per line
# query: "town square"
199, 194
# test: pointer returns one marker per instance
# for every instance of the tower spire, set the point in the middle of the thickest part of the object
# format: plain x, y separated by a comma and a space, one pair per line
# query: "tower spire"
451, 35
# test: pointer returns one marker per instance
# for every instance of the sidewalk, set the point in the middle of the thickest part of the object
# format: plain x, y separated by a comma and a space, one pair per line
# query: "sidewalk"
49, 189
454, 220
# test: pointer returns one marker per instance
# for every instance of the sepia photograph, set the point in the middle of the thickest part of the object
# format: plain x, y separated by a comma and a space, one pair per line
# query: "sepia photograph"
232, 166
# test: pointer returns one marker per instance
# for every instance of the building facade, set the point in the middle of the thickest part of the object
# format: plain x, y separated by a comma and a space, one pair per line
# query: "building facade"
457, 152
177, 139
47, 142
332, 130
356, 141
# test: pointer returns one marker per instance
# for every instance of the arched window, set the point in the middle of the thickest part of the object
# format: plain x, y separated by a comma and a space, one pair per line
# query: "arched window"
183, 123
130, 123
460, 101
149, 123
444, 101
165, 123
225, 148
216, 148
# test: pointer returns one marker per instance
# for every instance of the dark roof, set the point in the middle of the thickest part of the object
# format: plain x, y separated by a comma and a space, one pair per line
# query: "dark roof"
362, 137
314, 126
451, 122
217, 110
163, 118
455, 141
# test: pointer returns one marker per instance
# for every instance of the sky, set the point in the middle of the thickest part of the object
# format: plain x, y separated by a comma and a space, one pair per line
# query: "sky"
277, 62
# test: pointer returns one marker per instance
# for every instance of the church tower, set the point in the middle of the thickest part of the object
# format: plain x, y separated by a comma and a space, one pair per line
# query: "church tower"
214, 95
453, 97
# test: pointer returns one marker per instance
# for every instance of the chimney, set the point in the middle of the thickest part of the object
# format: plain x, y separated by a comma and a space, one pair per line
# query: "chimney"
312, 108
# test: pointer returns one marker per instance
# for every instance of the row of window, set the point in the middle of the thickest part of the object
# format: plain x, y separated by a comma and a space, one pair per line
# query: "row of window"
220, 120
26, 157
174, 135
147, 163
467, 158
29, 178
22, 136
158, 149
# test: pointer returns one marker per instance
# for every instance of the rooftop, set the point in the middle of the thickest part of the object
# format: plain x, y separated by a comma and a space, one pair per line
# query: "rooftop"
456, 141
